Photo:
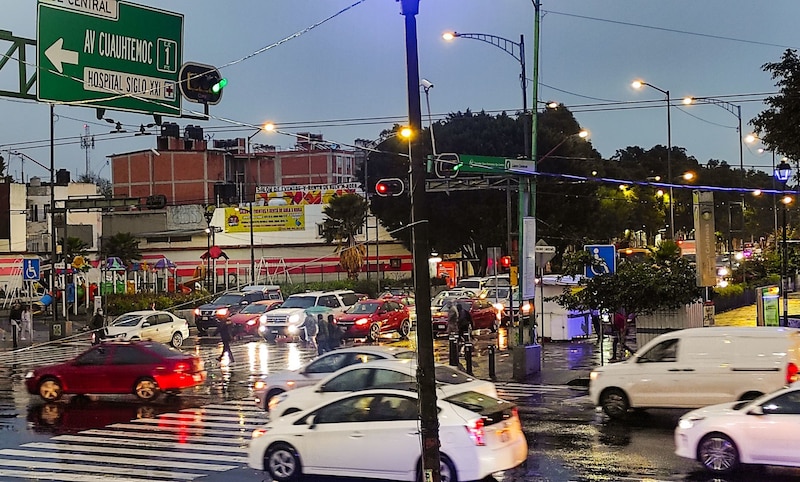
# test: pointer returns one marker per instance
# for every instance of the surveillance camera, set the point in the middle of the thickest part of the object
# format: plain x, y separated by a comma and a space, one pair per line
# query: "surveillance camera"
155, 152
426, 84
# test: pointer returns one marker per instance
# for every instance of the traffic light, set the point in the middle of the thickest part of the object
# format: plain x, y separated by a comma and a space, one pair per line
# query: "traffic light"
446, 165
201, 83
389, 187
505, 263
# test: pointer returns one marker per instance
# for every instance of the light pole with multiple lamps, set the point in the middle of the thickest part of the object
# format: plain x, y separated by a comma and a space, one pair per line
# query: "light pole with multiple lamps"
783, 172
638, 84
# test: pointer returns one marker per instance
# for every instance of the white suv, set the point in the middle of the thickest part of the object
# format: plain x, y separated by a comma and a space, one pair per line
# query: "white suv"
284, 321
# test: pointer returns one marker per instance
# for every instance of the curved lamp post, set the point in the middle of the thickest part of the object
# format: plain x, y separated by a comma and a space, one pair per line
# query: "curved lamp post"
782, 173
638, 84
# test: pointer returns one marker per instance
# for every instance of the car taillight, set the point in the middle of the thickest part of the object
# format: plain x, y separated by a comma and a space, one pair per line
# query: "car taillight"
222, 312
791, 373
475, 431
182, 367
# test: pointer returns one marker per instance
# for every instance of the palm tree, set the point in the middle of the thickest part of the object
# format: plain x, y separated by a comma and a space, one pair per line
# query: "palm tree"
344, 217
75, 247
123, 246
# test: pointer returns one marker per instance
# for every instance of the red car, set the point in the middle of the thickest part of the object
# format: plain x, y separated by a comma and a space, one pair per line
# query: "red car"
370, 318
144, 368
246, 321
484, 315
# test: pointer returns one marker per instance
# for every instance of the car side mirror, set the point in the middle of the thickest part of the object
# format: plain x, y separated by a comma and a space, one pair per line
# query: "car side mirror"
145, 324
312, 421
244, 302
758, 410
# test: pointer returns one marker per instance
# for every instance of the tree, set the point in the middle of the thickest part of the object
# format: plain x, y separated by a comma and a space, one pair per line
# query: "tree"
344, 217
667, 282
74, 247
778, 127
103, 185
123, 246
3, 167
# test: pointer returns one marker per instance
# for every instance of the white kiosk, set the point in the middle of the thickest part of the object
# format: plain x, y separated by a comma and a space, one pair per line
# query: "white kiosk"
557, 323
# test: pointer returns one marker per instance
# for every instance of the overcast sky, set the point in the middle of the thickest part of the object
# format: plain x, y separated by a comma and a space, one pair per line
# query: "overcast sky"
345, 78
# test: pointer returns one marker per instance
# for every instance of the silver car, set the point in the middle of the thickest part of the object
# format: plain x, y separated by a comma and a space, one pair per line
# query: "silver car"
160, 326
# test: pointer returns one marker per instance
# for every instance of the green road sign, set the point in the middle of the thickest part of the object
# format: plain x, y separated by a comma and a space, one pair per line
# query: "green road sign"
482, 164
109, 53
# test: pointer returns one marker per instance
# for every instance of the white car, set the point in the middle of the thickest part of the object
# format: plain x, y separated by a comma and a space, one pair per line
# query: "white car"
764, 431
160, 326
398, 374
320, 367
375, 433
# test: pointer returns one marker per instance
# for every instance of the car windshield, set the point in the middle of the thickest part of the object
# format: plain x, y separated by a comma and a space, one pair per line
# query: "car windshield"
254, 308
492, 293
478, 402
127, 320
362, 308
299, 302
227, 300
451, 376
469, 284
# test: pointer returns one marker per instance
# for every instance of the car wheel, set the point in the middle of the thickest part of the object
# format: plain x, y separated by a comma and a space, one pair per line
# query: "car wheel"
177, 340
447, 470
374, 332
50, 389
614, 402
404, 329
282, 463
718, 453
146, 389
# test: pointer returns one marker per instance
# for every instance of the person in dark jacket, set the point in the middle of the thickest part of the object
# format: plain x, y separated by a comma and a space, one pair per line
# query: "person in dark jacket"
323, 335
15, 316
225, 335
334, 333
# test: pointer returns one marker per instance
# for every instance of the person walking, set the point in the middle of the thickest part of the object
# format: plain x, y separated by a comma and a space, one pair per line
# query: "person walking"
15, 317
334, 333
26, 332
620, 328
224, 331
323, 335
96, 324
464, 323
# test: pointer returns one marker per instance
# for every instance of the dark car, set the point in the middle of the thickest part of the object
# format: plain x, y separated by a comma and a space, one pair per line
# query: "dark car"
483, 313
370, 318
143, 368
209, 315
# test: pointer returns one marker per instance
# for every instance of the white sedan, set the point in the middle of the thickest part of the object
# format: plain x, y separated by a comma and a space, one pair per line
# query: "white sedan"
376, 433
764, 431
276, 383
397, 374
160, 326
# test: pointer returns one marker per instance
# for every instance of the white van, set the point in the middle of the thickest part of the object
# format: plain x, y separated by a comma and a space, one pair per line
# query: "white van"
696, 367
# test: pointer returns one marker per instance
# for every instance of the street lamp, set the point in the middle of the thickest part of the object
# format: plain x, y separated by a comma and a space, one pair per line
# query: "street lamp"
782, 173
638, 84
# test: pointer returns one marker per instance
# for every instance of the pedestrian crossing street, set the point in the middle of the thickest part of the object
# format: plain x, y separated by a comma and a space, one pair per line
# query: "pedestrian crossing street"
186, 445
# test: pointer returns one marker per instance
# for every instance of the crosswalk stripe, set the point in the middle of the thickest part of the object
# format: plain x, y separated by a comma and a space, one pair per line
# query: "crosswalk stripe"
239, 406
201, 423
239, 442
195, 430
65, 457
217, 418
180, 446
65, 477
182, 455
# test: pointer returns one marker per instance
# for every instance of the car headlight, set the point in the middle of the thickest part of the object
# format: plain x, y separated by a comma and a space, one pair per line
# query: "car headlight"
499, 306
293, 329
594, 376
262, 319
259, 432
294, 319
259, 385
689, 422
276, 400
362, 321
222, 312
29, 374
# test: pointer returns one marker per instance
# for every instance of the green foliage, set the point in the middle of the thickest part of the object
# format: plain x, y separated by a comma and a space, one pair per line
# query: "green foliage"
731, 290
75, 247
778, 127
344, 217
117, 304
123, 246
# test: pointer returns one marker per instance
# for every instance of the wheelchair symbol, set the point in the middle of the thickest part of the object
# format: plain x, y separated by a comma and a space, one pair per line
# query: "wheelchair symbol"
31, 271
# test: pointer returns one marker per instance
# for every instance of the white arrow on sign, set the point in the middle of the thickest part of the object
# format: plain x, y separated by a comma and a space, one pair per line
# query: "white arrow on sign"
544, 249
57, 55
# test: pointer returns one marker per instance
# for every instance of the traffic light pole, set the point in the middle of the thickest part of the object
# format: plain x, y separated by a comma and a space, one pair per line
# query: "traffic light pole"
429, 422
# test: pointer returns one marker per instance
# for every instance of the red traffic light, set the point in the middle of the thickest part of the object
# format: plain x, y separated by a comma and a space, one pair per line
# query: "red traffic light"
389, 187
505, 262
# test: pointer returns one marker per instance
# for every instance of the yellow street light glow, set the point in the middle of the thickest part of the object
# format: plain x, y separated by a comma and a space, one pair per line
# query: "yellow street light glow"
637, 84
623, 187
757, 192
787, 200
583, 134
688, 100
448, 36
269, 127
688, 176
750, 138
405, 132
552, 105
660, 193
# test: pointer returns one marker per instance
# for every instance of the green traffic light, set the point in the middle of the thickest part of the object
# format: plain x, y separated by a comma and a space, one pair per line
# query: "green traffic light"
458, 166
216, 88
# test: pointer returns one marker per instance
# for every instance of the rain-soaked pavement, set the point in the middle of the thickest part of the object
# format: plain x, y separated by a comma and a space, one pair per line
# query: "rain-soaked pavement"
568, 439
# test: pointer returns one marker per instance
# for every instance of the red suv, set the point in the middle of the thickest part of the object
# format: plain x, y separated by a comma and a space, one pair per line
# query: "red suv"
484, 315
370, 318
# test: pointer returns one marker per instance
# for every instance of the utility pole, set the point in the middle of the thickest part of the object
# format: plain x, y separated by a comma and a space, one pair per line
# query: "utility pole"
429, 421
87, 142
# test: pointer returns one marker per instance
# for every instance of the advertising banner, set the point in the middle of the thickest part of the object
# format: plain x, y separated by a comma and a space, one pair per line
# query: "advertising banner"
295, 195
266, 219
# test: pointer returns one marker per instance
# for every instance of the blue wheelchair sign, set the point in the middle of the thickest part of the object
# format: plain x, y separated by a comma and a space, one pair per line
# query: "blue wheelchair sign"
30, 269
606, 254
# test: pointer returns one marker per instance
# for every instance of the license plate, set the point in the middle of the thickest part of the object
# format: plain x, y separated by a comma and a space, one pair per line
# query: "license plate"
275, 331
205, 318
